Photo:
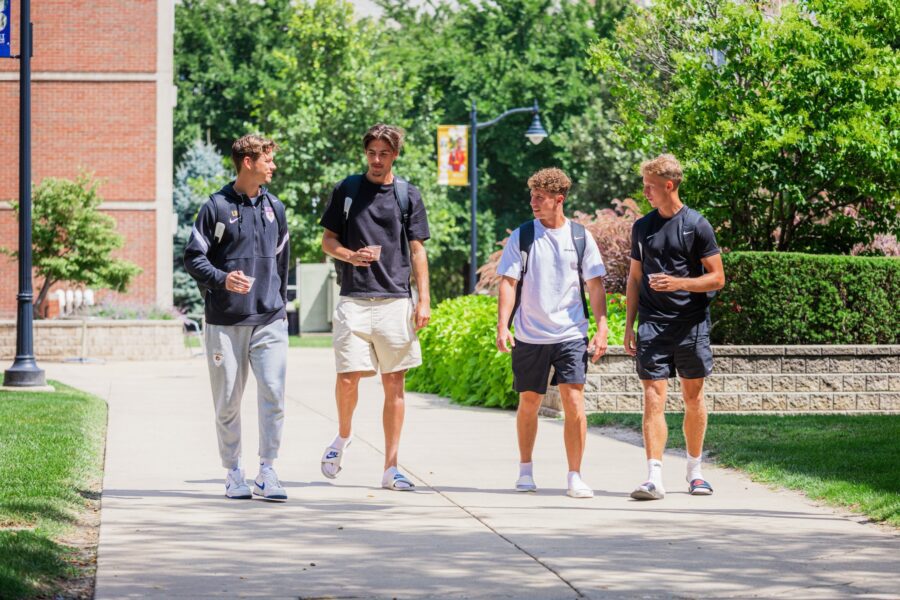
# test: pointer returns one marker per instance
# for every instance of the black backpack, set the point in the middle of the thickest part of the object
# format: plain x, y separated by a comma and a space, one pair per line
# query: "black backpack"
350, 187
526, 240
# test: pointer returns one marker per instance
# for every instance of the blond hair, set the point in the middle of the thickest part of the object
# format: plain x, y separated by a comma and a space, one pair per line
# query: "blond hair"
251, 145
665, 166
550, 180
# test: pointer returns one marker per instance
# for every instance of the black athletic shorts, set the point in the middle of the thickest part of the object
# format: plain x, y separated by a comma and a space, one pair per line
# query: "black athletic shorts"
666, 348
531, 364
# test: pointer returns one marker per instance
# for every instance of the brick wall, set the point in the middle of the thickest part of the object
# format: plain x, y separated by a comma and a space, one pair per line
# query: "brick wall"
94, 108
107, 128
89, 35
762, 379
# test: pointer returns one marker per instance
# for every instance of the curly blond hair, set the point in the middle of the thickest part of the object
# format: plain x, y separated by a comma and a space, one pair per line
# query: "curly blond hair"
665, 166
251, 145
550, 180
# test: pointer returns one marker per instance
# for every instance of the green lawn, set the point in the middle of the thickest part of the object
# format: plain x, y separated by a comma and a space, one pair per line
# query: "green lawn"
310, 340
851, 461
51, 458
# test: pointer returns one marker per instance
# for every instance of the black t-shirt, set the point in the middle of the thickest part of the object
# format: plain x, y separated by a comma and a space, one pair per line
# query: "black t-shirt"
374, 220
660, 245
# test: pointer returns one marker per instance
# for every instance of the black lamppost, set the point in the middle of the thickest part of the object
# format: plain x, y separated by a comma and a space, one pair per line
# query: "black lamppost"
535, 134
24, 371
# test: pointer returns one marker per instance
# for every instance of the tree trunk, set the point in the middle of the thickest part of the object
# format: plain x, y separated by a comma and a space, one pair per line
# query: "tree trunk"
42, 297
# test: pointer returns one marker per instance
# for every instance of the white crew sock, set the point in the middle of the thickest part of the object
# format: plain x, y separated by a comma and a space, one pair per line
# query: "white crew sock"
388, 477
266, 463
340, 443
693, 467
526, 469
654, 472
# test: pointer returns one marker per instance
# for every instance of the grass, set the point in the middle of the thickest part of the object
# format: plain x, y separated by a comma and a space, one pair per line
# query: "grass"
850, 461
310, 340
51, 457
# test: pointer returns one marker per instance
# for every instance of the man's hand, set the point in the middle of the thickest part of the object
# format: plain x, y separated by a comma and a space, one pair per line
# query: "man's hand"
423, 314
597, 346
237, 282
630, 345
665, 283
505, 341
361, 258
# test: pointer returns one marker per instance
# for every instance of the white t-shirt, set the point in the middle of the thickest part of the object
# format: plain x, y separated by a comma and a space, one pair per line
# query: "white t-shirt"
551, 309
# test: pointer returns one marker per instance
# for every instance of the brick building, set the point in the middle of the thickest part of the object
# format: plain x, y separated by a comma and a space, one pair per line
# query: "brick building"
102, 101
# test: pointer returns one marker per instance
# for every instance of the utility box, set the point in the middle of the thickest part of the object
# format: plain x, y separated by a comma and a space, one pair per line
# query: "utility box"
318, 293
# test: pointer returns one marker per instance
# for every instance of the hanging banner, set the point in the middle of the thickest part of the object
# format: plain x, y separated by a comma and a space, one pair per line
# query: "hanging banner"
5, 28
453, 155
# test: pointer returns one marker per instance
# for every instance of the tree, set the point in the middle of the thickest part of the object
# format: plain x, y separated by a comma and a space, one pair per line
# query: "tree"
224, 58
504, 54
785, 115
201, 172
73, 242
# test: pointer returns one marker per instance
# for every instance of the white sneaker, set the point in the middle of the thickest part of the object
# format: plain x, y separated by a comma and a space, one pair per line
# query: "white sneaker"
267, 485
526, 483
648, 491
235, 486
580, 491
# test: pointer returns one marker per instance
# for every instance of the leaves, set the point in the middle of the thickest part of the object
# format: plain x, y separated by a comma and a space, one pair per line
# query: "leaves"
72, 241
785, 117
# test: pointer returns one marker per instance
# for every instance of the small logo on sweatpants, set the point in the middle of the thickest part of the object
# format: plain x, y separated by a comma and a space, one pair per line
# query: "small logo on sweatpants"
218, 357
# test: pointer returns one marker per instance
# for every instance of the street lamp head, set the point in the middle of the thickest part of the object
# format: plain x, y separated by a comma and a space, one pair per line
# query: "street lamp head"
536, 133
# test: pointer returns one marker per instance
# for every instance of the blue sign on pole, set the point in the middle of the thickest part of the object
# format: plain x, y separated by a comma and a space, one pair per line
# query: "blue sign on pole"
5, 28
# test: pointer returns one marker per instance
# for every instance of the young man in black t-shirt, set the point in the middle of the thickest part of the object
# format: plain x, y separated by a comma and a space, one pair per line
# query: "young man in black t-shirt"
375, 227
675, 263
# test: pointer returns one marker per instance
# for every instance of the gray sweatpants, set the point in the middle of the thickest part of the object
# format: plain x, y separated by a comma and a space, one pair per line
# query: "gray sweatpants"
230, 350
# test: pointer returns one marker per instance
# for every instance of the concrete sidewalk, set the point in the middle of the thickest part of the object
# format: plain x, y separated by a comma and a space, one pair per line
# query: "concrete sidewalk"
168, 532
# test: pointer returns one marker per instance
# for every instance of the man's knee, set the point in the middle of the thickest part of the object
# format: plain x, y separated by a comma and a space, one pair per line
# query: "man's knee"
529, 402
348, 381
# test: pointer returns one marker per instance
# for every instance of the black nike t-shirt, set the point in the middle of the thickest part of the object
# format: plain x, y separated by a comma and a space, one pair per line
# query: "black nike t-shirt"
374, 220
668, 246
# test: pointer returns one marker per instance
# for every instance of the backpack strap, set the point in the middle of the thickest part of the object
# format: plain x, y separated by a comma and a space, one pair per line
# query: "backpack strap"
526, 241
350, 186
578, 238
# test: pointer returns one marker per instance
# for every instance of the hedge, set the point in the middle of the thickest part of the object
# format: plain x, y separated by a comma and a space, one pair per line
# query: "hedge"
460, 359
788, 298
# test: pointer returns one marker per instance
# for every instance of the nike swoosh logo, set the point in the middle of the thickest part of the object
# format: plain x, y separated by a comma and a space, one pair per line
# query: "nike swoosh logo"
262, 485
234, 220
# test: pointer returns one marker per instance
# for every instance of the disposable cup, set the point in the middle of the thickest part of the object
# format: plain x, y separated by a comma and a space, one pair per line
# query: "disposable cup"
251, 280
376, 252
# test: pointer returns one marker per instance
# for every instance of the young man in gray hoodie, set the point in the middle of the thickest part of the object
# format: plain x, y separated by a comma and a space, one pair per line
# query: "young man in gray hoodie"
239, 254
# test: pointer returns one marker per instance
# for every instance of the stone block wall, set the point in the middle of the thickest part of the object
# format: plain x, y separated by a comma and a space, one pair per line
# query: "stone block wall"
106, 339
762, 379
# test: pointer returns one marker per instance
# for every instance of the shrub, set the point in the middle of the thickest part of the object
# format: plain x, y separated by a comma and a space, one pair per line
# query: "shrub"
787, 298
460, 360
611, 228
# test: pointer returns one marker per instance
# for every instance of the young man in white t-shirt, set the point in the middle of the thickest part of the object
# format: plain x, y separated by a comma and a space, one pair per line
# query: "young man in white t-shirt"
550, 323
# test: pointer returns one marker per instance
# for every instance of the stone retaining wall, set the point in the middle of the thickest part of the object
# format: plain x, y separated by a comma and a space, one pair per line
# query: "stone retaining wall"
762, 379
107, 339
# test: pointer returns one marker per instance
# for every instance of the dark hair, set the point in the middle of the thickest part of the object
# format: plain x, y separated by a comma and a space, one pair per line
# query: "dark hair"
251, 145
389, 134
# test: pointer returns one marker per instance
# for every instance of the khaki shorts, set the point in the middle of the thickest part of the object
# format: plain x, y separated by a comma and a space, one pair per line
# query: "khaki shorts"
373, 335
